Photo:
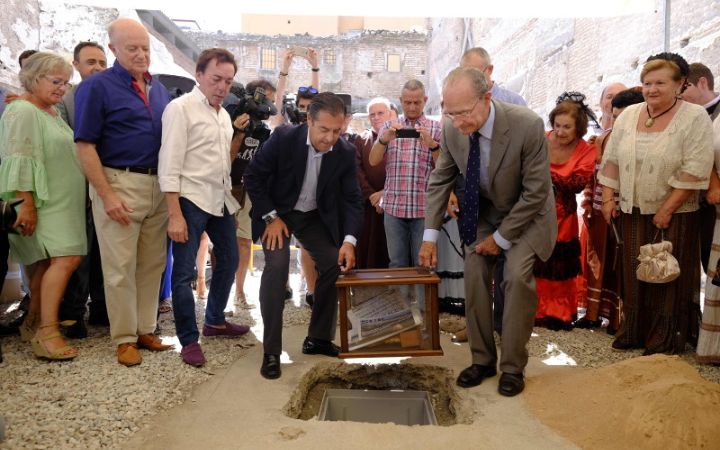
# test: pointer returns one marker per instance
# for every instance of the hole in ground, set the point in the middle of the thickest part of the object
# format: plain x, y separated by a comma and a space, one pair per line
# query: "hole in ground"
439, 382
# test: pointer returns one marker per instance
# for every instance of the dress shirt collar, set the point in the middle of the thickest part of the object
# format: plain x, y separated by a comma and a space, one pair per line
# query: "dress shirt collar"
127, 76
422, 121
487, 129
712, 102
198, 94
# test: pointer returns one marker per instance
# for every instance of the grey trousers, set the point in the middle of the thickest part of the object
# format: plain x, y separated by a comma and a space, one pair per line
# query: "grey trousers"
518, 317
315, 239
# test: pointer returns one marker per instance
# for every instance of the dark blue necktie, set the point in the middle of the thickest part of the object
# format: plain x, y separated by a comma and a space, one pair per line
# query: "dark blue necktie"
469, 213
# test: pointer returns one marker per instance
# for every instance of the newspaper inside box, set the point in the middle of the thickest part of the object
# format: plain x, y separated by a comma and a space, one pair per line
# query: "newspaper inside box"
389, 312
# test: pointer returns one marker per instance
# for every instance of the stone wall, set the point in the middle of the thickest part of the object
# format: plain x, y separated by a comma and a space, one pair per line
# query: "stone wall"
541, 58
360, 60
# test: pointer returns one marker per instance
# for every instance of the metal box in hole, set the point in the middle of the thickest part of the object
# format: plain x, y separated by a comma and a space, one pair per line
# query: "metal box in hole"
399, 407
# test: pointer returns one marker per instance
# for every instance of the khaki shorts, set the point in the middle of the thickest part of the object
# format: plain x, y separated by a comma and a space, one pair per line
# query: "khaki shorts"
242, 216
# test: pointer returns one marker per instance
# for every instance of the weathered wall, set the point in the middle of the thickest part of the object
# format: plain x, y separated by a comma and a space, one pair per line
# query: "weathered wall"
541, 58
47, 25
359, 67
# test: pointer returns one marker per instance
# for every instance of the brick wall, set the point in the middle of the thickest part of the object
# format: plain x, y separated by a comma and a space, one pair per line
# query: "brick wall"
360, 60
541, 58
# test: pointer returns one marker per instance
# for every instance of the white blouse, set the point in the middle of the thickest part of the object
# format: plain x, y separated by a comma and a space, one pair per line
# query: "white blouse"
684, 147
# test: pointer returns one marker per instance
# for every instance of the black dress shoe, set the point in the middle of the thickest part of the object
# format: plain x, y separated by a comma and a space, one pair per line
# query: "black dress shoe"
473, 375
312, 346
310, 299
78, 330
511, 384
586, 323
270, 367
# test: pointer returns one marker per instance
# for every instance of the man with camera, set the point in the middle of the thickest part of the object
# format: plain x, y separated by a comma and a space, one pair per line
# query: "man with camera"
409, 147
303, 181
305, 93
194, 169
249, 135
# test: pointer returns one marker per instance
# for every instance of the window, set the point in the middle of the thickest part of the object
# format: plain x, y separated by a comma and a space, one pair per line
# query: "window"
393, 63
329, 57
268, 59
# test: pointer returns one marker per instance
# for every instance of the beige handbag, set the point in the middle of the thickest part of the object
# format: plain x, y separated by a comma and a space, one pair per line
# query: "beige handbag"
657, 263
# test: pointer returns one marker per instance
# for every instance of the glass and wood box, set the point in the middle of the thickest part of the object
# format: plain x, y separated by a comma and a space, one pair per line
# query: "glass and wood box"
389, 312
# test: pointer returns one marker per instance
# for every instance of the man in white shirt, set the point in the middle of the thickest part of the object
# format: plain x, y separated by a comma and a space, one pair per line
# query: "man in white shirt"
194, 171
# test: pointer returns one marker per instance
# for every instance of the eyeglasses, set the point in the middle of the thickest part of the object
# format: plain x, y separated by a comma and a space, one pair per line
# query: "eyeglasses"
57, 82
307, 90
463, 114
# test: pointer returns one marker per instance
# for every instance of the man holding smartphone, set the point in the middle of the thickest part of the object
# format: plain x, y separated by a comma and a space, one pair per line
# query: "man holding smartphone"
409, 147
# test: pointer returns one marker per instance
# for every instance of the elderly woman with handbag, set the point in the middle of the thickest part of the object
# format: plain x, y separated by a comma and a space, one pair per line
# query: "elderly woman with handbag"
658, 158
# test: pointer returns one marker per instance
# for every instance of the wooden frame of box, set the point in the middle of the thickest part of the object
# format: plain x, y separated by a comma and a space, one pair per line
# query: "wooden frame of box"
381, 315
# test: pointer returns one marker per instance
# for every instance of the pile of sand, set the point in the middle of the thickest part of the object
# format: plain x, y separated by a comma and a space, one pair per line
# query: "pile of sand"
650, 402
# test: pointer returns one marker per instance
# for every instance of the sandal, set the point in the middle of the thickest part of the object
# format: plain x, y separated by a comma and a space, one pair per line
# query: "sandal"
28, 327
41, 351
165, 306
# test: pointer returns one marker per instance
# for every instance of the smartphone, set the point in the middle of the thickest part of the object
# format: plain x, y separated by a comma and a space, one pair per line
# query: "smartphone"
407, 133
300, 51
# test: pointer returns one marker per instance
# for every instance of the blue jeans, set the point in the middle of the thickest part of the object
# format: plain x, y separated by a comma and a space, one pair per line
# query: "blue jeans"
221, 231
404, 237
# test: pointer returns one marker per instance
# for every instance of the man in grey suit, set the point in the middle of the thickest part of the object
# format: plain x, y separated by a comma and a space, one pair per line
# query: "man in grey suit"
508, 207
88, 59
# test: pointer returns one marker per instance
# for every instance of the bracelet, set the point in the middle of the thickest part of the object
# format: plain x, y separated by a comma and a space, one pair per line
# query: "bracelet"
283, 74
607, 200
434, 149
316, 69
380, 141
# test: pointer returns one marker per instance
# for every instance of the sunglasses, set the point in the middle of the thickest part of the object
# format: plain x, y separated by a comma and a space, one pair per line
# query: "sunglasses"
307, 90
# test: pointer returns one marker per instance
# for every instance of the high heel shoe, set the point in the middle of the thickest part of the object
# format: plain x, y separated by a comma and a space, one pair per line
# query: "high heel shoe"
28, 327
41, 351
200, 287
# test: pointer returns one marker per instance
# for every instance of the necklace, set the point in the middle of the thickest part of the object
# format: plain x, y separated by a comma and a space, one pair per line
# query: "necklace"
651, 120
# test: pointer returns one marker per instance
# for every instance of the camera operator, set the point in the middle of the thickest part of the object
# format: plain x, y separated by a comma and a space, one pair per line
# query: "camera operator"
408, 163
244, 146
312, 58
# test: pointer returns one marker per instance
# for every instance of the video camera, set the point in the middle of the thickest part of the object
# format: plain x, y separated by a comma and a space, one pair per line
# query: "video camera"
291, 111
256, 105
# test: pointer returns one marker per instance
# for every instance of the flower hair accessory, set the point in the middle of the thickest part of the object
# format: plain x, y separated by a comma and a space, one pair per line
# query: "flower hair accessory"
579, 99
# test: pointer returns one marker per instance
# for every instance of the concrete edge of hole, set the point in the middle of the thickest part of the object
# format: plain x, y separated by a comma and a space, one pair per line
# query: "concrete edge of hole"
405, 376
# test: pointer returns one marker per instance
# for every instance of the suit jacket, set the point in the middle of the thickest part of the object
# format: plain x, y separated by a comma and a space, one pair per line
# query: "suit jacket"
66, 106
275, 176
520, 203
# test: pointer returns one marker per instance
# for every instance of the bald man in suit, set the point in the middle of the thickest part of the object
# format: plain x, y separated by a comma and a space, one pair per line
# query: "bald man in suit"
508, 207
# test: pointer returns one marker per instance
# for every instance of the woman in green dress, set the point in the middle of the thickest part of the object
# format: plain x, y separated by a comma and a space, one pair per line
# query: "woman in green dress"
39, 166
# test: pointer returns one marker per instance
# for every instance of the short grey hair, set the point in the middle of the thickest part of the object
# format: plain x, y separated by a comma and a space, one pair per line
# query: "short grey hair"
478, 51
378, 101
414, 85
41, 64
473, 75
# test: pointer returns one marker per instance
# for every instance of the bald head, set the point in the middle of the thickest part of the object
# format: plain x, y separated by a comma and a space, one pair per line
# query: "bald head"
478, 58
130, 43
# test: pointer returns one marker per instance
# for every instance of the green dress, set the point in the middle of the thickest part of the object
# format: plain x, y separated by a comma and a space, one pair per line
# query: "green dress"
38, 154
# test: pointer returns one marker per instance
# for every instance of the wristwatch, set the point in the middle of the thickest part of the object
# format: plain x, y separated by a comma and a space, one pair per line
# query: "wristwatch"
270, 217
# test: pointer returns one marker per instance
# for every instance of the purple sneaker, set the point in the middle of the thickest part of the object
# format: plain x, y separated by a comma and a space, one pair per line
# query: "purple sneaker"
231, 330
192, 354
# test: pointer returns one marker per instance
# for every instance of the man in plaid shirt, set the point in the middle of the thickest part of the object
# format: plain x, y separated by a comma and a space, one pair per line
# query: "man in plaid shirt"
408, 163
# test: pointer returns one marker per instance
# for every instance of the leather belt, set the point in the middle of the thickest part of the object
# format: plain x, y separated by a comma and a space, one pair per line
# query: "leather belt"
135, 169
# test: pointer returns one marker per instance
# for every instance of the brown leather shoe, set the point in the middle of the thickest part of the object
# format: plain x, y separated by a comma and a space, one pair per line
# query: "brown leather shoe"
460, 336
152, 343
128, 354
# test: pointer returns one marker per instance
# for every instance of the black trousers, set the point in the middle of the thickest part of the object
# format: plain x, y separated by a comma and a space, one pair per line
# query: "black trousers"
86, 281
316, 240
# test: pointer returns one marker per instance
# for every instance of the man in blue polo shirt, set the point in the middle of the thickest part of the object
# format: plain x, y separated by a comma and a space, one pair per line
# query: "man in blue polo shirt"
118, 129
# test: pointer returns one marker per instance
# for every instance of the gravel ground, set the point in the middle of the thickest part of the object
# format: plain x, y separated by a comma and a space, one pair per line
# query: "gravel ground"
93, 402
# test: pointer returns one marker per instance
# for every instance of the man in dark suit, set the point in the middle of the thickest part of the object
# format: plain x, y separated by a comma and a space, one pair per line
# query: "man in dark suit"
303, 182
508, 207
